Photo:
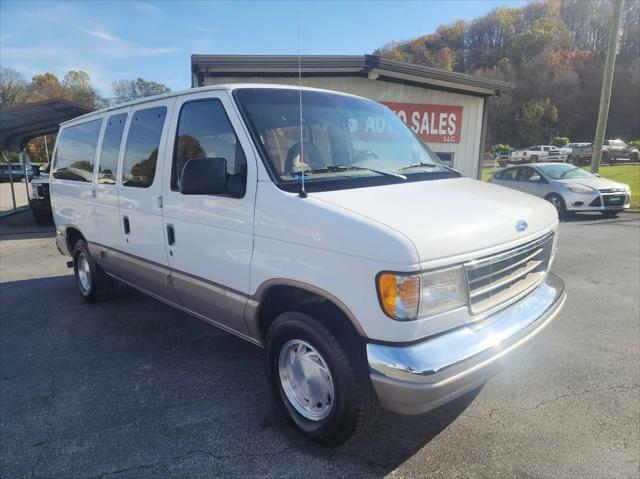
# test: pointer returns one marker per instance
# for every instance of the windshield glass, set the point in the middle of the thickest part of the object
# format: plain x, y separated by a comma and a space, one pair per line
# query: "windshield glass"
564, 172
617, 143
343, 138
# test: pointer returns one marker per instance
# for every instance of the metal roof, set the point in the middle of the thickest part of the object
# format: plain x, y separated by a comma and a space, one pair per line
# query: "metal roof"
368, 66
21, 123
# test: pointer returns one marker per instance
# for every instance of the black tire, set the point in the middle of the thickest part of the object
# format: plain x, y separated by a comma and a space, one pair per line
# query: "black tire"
100, 286
534, 159
604, 158
558, 203
355, 404
42, 218
635, 156
570, 160
610, 214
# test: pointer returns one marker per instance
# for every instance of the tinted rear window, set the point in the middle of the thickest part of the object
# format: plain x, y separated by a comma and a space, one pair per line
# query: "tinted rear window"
110, 151
143, 143
76, 152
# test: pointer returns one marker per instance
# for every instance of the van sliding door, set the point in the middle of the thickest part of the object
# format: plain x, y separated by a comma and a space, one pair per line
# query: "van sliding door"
144, 258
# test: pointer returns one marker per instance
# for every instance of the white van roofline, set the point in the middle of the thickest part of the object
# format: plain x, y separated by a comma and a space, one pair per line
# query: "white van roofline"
226, 87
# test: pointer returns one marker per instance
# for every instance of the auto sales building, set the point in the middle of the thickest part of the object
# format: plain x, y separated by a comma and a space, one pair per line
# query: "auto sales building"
447, 109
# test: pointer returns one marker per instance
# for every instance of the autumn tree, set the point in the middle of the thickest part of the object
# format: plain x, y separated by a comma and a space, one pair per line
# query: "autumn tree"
553, 51
45, 87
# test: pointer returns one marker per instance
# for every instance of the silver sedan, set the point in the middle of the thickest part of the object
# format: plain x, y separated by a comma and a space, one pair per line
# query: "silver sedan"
567, 187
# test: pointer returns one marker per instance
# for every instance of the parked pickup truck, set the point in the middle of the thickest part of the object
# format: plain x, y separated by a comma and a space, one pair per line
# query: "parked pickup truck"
537, 153
326, 242
612, 151
568, 148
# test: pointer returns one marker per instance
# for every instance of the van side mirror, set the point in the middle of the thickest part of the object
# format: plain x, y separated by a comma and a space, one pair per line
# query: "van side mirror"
204, 176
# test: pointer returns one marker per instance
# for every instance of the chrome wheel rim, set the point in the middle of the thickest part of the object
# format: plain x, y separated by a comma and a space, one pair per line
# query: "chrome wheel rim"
555, 201
84, 272
306, 380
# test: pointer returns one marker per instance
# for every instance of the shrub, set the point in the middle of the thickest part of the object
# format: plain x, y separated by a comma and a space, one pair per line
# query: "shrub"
499, 148
634, 144
559, 141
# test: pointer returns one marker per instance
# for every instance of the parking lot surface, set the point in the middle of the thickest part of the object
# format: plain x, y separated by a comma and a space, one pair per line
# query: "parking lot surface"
19, 191
134, 388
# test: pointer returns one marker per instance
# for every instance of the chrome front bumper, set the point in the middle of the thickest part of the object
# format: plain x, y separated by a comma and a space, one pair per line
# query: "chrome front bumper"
419, 377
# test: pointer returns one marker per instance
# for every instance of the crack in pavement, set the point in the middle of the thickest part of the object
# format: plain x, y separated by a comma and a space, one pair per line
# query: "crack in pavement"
560, 397
165, 463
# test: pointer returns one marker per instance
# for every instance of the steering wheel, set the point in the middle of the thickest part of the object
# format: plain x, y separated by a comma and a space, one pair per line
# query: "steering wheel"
312, 156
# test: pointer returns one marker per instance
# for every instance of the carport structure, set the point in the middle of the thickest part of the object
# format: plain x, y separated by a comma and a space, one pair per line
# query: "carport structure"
22, 123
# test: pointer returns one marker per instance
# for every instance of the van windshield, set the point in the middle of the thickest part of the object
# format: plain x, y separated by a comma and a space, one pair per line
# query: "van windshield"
345, 141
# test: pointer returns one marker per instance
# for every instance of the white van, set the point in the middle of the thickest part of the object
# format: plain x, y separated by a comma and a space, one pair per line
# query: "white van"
372, 274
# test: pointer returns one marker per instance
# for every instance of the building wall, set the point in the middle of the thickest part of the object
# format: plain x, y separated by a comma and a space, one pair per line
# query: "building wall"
466, 153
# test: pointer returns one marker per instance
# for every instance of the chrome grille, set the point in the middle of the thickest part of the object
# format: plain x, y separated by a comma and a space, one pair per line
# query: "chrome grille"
613, 190
494, 280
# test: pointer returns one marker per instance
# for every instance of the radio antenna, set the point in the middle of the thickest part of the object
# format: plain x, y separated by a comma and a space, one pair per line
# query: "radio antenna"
303, 193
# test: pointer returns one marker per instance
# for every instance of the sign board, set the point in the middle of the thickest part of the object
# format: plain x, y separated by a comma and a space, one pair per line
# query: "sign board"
433, 123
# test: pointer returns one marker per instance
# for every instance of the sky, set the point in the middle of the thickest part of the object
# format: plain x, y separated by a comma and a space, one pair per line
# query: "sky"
154, 40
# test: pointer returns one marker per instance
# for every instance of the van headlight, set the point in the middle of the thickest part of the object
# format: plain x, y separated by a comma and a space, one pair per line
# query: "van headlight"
580, 189
406, 297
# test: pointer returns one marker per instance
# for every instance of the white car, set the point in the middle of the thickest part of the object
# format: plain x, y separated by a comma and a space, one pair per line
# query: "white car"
567, 187
538, 153
335, 246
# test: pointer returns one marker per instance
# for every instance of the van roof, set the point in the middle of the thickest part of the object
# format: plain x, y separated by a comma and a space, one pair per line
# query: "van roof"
227, 87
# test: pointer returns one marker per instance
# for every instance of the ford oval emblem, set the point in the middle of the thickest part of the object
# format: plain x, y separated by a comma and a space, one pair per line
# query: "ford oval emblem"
521, 225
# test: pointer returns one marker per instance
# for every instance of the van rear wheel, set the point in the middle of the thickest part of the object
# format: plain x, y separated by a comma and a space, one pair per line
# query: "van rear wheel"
94, 284
320, 385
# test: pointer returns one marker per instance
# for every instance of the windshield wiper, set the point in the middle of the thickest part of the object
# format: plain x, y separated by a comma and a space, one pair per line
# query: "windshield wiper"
332, 168
418, 165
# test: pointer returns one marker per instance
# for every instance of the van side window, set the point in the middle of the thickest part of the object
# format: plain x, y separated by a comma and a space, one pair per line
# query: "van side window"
76, 152
108, 163
143, 143
204, 131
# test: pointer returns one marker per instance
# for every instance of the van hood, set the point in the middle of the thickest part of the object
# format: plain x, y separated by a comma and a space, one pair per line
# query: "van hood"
449, 217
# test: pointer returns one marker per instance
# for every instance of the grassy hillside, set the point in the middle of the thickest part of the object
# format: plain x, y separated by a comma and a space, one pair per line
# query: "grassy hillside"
553, 51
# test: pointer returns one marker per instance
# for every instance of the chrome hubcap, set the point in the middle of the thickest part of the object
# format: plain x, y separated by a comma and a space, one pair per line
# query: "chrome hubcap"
84, 272
306, 380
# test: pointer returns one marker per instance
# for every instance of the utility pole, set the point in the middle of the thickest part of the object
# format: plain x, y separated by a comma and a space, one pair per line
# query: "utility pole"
607, 81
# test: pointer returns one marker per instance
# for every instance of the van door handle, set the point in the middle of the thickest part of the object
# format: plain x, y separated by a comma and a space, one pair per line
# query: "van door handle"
127, 227
171, 235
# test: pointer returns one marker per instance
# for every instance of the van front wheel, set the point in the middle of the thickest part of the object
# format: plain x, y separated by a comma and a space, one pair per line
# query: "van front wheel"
321, 386
94, 284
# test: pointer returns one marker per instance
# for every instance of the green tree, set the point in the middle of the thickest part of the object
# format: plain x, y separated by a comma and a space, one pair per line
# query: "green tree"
537, 121
79, 90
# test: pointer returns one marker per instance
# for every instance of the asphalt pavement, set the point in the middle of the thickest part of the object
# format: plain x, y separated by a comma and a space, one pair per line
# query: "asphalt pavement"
135, 389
